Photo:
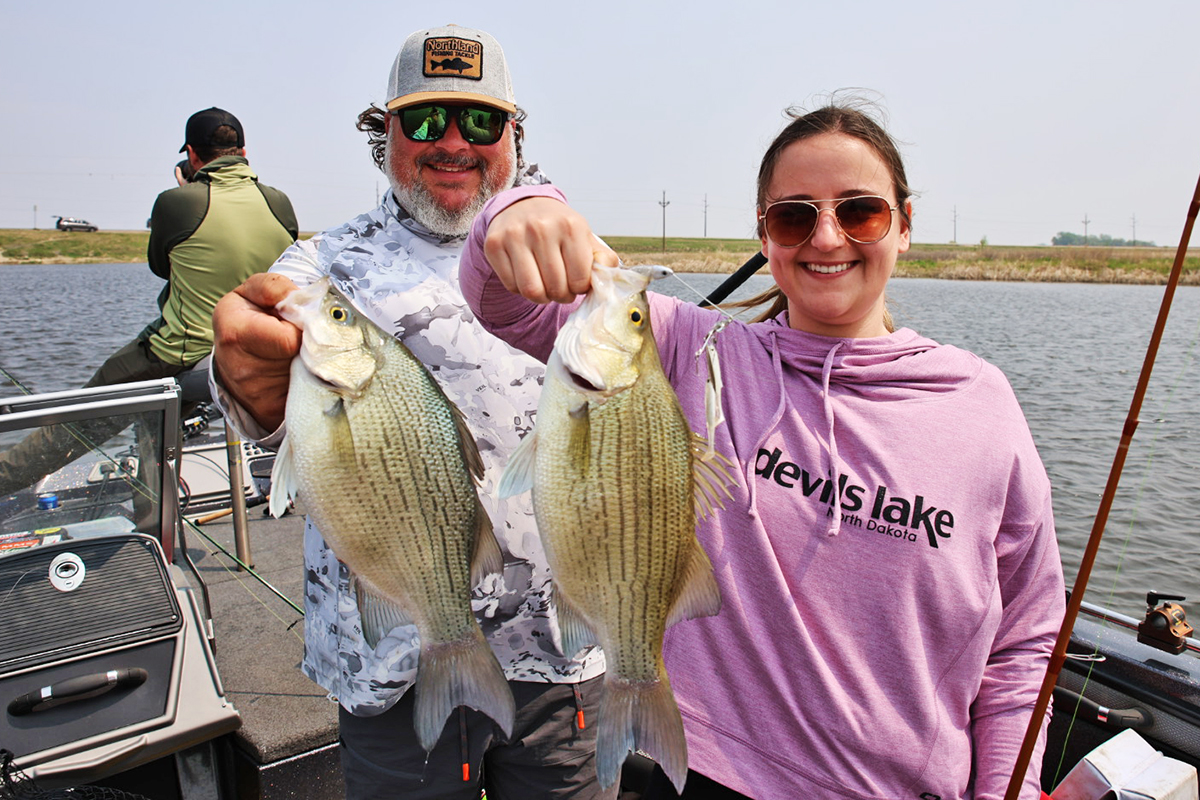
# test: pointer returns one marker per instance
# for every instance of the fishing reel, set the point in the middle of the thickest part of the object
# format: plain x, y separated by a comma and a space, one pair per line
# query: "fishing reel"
1165, 626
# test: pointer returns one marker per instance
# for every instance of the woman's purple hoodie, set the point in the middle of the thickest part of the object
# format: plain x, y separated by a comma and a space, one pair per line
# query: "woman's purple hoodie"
891, 586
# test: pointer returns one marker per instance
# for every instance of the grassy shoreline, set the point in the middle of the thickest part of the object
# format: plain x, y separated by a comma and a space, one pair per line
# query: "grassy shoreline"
1143, 265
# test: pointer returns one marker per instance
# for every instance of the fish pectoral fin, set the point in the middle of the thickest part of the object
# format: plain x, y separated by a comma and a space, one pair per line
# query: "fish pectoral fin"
336, 406
487, 558
284, 487
698, 593
518, 473
575, 633
712, 476
579, 437
379, 615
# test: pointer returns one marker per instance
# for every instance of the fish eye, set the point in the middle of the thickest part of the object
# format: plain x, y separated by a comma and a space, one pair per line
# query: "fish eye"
635, 316
339, 314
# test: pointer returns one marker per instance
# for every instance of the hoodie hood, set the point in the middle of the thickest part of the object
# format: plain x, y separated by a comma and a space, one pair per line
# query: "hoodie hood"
902, 366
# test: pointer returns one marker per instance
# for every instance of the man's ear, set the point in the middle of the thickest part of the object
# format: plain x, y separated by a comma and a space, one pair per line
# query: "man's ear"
194, 159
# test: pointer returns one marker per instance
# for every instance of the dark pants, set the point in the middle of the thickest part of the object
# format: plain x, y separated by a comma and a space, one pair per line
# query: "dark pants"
48, 449
547, 757
697, 787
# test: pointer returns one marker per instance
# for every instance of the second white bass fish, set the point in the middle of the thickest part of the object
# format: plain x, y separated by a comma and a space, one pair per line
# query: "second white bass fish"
617, 482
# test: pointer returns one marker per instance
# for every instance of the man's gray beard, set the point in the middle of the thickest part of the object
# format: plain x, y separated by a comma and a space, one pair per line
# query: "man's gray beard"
420, 204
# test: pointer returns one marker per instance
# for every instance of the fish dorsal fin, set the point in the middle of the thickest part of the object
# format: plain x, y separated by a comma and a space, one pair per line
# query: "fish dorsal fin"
283, 479
698, 593
487, 558
379, 615
712, 476
466, 442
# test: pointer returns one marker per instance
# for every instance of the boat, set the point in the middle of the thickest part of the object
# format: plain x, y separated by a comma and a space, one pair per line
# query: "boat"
172, 664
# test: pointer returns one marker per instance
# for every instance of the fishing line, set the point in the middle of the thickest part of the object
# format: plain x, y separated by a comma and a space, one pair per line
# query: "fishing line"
1074, 601
704, 301
13, 380
135, 484
714, 414
1145, 475
250, 570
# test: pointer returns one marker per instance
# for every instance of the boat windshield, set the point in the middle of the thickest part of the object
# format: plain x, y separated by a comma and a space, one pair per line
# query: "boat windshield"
89, 462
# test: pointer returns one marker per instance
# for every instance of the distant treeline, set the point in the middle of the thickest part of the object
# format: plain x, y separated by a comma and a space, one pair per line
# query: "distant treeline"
1103, 240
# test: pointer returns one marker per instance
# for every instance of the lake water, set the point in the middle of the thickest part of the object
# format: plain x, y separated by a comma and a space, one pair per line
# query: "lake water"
1072, 352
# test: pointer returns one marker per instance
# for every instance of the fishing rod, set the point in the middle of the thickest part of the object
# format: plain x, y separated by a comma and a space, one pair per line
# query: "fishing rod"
1059, 655
14, 381
734, 281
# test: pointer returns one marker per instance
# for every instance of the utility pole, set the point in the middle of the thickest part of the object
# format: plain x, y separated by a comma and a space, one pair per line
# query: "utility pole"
955, 239
706, 215
35, 216
1085, 224
664, 203
1133, 220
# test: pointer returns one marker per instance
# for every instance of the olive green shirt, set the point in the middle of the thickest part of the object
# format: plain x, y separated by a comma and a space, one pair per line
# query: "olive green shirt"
206, 238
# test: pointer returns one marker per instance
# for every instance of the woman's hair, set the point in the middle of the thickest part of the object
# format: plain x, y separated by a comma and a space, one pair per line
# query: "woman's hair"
371, 121
846, 117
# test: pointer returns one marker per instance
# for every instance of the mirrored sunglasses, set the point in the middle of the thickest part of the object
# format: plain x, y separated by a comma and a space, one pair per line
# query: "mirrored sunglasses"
428, 123
864, 219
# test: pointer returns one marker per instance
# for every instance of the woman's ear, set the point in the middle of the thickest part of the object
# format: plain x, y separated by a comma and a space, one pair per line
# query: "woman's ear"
906, 228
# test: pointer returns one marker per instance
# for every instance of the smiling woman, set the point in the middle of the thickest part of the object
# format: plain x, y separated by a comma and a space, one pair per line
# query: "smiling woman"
875, 464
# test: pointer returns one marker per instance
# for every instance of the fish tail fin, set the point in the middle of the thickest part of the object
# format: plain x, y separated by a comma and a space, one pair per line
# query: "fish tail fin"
640, 715
283, 479
459, 673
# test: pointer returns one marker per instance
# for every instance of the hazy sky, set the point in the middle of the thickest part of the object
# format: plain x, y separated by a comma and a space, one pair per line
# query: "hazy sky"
1018, 119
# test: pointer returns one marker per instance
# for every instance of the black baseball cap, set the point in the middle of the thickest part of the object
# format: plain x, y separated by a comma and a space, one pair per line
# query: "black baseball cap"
203, 124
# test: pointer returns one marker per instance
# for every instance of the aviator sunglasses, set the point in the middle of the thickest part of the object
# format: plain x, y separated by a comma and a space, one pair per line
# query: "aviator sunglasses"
864, 219
428, 123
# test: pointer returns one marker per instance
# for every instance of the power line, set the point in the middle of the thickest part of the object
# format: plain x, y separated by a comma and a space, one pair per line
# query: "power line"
664, 203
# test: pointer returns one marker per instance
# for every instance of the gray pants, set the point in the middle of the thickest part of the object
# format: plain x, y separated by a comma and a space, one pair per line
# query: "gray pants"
547, 757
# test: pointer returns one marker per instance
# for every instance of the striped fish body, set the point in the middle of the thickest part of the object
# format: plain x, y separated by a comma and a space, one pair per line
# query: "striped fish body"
387, 468
611, 465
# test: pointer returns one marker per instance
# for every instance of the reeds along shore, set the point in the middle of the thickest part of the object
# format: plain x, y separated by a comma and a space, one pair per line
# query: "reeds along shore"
1141, 265
957, 262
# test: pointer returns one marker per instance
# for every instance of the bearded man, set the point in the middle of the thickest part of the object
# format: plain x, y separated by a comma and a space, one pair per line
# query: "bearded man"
448, 140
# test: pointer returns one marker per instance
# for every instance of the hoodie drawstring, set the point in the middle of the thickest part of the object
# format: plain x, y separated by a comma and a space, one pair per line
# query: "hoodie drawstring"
579, 721
777, 364
835, 523
462, 743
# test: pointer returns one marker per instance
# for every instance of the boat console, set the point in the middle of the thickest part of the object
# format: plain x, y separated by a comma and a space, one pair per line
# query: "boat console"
106, 655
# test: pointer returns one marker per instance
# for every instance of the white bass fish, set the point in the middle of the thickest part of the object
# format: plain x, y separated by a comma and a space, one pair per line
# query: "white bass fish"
387, 468
617, 483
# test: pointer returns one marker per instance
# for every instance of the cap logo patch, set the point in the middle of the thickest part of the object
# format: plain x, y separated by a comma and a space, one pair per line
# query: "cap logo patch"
451, 57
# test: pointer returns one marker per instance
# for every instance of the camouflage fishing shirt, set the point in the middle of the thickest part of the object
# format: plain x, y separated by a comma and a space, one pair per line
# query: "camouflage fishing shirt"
406, 281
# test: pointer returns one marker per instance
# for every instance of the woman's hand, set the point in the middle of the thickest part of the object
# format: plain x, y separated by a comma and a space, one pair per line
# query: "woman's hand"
543, 250
253, 348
